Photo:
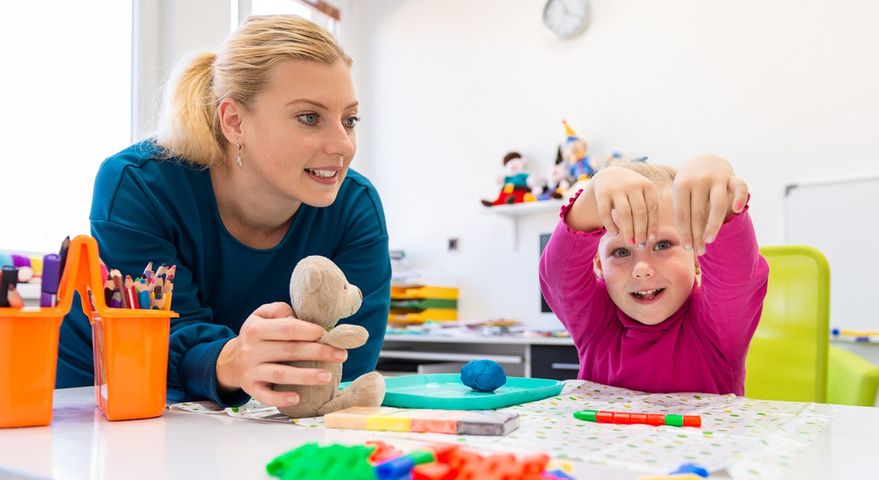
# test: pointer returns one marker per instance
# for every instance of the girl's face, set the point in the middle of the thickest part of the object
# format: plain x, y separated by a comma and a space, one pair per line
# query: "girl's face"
648, 284
298, 135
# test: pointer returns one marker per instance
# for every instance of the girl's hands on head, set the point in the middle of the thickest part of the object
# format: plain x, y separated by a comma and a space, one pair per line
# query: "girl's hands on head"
705, 193
271, 335
627, 204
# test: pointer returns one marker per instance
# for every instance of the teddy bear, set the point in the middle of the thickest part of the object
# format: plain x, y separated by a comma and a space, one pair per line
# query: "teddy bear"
320, 294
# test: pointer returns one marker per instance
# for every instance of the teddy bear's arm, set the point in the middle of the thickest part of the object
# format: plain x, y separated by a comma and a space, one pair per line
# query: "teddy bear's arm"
345, 337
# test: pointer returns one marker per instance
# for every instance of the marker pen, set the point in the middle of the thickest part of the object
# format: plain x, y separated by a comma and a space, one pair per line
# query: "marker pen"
51, 277
9, 276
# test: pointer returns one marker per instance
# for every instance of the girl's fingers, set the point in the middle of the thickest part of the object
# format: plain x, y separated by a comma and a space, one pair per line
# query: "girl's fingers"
652, 201
623, 217
262, 392
681, 198
699, 218
739, 190
639, 217
605, 214
717, 214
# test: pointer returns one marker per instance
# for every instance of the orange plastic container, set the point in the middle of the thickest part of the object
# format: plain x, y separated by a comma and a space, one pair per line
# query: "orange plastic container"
130, 349
131, 363
28, 357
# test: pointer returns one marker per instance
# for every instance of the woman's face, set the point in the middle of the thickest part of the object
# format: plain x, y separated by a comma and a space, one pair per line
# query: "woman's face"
298, 135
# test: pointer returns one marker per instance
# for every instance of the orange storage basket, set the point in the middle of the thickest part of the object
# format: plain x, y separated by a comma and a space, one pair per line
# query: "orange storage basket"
130, 348
131, 363
28, 357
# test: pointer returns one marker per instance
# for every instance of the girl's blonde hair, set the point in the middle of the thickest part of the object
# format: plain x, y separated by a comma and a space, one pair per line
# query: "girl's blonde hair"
663, 176
189, 126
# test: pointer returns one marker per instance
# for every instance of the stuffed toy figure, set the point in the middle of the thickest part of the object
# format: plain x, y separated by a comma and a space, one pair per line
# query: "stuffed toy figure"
557, 182
576, 152
516, 184
320, 294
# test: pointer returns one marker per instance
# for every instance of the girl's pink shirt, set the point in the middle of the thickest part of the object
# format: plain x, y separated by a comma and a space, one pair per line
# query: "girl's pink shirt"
700, 348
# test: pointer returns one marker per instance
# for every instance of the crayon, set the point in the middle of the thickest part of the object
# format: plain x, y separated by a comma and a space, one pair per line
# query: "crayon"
148, 271
116, 275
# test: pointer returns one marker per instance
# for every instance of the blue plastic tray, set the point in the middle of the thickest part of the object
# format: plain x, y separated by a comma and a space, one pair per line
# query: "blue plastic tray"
445, 391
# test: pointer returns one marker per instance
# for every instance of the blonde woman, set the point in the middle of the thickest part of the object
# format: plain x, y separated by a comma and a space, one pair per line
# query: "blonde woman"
248, 174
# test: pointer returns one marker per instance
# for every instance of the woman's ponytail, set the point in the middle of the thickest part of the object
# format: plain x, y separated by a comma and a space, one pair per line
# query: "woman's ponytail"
189, 126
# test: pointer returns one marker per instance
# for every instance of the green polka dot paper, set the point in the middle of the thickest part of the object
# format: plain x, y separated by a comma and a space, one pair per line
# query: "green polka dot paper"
751, 439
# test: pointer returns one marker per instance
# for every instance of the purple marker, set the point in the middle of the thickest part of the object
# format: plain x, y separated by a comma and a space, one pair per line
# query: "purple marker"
51, 274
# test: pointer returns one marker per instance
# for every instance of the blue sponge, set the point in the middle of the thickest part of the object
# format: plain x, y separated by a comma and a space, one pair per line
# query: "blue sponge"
483, 375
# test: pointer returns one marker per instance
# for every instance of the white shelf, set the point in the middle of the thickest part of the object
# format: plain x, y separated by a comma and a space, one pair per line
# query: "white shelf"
479, 339
517, 210
446, 357
524, 209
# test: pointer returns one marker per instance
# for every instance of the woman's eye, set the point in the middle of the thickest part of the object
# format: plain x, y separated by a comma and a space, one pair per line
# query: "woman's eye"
662, 245
308, 118
621, 252
351, 122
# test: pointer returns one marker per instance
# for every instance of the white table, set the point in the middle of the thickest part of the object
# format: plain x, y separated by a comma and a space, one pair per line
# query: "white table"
80, 443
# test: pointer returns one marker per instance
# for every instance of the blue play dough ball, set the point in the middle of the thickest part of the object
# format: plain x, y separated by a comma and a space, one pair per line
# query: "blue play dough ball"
483, 375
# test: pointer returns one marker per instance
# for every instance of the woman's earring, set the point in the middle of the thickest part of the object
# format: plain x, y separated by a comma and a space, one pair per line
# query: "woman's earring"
238, 155
698, 269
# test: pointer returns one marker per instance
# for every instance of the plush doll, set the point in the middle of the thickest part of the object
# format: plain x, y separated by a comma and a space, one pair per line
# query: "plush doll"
516, 184
557, 181
320, 294
576, 153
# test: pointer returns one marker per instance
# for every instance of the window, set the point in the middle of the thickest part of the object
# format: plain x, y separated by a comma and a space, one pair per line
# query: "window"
318, 11
67, 106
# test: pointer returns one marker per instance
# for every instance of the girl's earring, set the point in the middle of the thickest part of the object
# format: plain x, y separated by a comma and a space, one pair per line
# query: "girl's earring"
238, 155
698, 269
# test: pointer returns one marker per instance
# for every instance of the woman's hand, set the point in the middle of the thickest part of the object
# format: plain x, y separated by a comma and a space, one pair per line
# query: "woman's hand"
271, 335
706, 192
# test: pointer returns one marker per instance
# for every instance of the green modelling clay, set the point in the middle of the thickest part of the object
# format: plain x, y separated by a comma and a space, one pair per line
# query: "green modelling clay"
333, 462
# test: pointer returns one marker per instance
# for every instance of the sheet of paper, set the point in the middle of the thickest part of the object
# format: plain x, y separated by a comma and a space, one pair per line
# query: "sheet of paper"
750, 439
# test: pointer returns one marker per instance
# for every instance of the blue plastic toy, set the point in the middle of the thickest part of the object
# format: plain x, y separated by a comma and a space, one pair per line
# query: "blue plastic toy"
483, 375
693, 468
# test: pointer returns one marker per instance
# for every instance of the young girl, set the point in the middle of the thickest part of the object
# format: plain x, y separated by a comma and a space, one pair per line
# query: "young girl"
622, 273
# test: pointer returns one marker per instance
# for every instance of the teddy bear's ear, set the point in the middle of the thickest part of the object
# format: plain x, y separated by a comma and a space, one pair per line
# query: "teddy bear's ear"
313, 280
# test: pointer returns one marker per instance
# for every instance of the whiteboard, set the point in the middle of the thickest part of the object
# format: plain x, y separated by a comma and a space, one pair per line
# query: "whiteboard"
841, 218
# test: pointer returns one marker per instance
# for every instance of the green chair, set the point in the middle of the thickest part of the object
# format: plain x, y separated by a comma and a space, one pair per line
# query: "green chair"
851, 379
787, 359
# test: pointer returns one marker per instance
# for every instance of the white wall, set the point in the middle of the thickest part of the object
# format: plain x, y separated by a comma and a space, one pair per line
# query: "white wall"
166, 32
785, 89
